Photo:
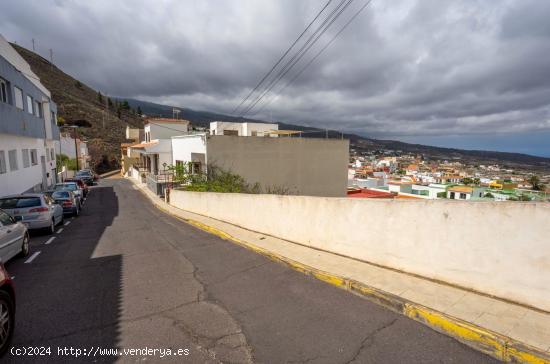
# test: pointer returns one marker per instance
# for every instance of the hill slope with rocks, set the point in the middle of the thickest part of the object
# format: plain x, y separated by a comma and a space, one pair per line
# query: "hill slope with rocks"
101, 123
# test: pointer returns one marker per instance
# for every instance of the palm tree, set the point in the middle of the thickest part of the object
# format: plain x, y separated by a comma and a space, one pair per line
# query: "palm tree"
534, 180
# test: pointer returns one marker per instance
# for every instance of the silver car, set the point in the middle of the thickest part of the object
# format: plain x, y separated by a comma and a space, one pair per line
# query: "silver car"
34, 210
74, 188
14, 238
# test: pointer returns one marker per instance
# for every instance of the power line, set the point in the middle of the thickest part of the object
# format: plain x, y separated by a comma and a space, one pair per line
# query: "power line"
282, 57
296, 60
290, 63
314, 58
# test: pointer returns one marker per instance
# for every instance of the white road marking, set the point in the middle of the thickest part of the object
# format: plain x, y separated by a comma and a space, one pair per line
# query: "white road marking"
31, 258
59, 231
12, 277
67, 223
50, 240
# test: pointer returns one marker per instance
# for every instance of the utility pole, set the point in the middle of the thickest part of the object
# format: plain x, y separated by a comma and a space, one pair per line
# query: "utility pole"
33, 45
76, 150
51, 58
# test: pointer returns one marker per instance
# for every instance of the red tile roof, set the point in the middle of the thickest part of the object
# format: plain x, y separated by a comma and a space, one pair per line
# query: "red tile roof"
366, 193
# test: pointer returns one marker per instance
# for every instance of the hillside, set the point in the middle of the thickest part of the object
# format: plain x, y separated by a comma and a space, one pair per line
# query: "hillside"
79, 104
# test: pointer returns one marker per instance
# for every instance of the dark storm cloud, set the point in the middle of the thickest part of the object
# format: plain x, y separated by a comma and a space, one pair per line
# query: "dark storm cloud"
424, 67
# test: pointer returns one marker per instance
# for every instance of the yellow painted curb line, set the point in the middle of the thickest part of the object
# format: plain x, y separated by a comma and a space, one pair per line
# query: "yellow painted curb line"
476, 337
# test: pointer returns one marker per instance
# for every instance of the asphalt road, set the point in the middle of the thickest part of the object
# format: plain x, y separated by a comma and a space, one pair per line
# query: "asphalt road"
125, 275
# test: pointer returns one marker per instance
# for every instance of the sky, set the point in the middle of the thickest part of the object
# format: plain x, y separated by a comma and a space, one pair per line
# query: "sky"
471, 74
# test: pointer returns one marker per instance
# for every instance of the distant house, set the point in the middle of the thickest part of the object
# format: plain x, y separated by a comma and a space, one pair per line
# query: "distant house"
155, 150
28, 129
69, 147
465, 193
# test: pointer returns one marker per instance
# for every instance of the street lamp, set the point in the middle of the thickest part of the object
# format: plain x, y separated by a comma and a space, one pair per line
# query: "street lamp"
74, 127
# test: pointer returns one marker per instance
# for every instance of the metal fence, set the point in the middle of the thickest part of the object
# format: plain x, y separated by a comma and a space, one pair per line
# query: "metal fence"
160, 182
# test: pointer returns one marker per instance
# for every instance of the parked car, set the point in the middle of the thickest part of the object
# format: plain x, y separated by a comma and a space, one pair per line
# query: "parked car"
14, 239
7, 310
86, 175
67, 200
74, 188
34, 210
81, 184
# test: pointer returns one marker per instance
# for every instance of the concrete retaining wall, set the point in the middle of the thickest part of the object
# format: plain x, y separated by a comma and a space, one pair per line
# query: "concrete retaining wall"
502, 249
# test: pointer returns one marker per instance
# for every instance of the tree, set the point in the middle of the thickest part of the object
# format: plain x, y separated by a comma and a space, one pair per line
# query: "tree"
524, 198
99, 97
139, 111
125, 105
534, 180
63, 160
467, 181
110, 102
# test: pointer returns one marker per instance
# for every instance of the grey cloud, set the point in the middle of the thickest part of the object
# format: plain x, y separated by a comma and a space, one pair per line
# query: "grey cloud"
407, 67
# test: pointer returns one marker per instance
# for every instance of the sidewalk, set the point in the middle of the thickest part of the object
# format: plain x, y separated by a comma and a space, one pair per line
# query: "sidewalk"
503, 330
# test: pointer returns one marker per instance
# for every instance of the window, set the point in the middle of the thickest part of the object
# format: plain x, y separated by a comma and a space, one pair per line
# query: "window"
254, 133
4, 91
34, 157
462, 196
29, 105
26, 160
37, 109
47, 154
18, 97
6, 219
52, 156
452, 195
230, 132
54, 119
12, 155
2, 162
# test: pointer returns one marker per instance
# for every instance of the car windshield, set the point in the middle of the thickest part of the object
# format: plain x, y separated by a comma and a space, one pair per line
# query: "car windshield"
67, 186
19, 202
60, 194
83, 173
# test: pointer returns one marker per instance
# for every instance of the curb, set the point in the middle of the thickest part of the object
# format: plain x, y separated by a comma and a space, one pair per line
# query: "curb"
491, 343
108, 174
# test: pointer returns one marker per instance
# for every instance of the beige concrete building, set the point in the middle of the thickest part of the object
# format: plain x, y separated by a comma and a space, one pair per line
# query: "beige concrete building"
297, 166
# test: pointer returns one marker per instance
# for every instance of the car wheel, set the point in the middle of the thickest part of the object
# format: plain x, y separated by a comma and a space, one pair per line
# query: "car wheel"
25, 248
7, 321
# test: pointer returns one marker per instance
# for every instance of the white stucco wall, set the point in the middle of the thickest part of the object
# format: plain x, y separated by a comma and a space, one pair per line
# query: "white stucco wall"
23, 179
244, 129
166, 130
502, 249
183, 146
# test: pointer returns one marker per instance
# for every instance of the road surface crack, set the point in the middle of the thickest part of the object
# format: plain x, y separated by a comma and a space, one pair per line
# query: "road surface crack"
369, 340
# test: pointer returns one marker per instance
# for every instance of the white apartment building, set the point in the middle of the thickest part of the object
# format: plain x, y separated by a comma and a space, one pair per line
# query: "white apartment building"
28, 129
243, 129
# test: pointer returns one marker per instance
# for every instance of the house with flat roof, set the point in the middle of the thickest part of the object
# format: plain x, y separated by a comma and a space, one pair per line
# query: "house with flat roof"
28, 128
243, 129
466, 192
